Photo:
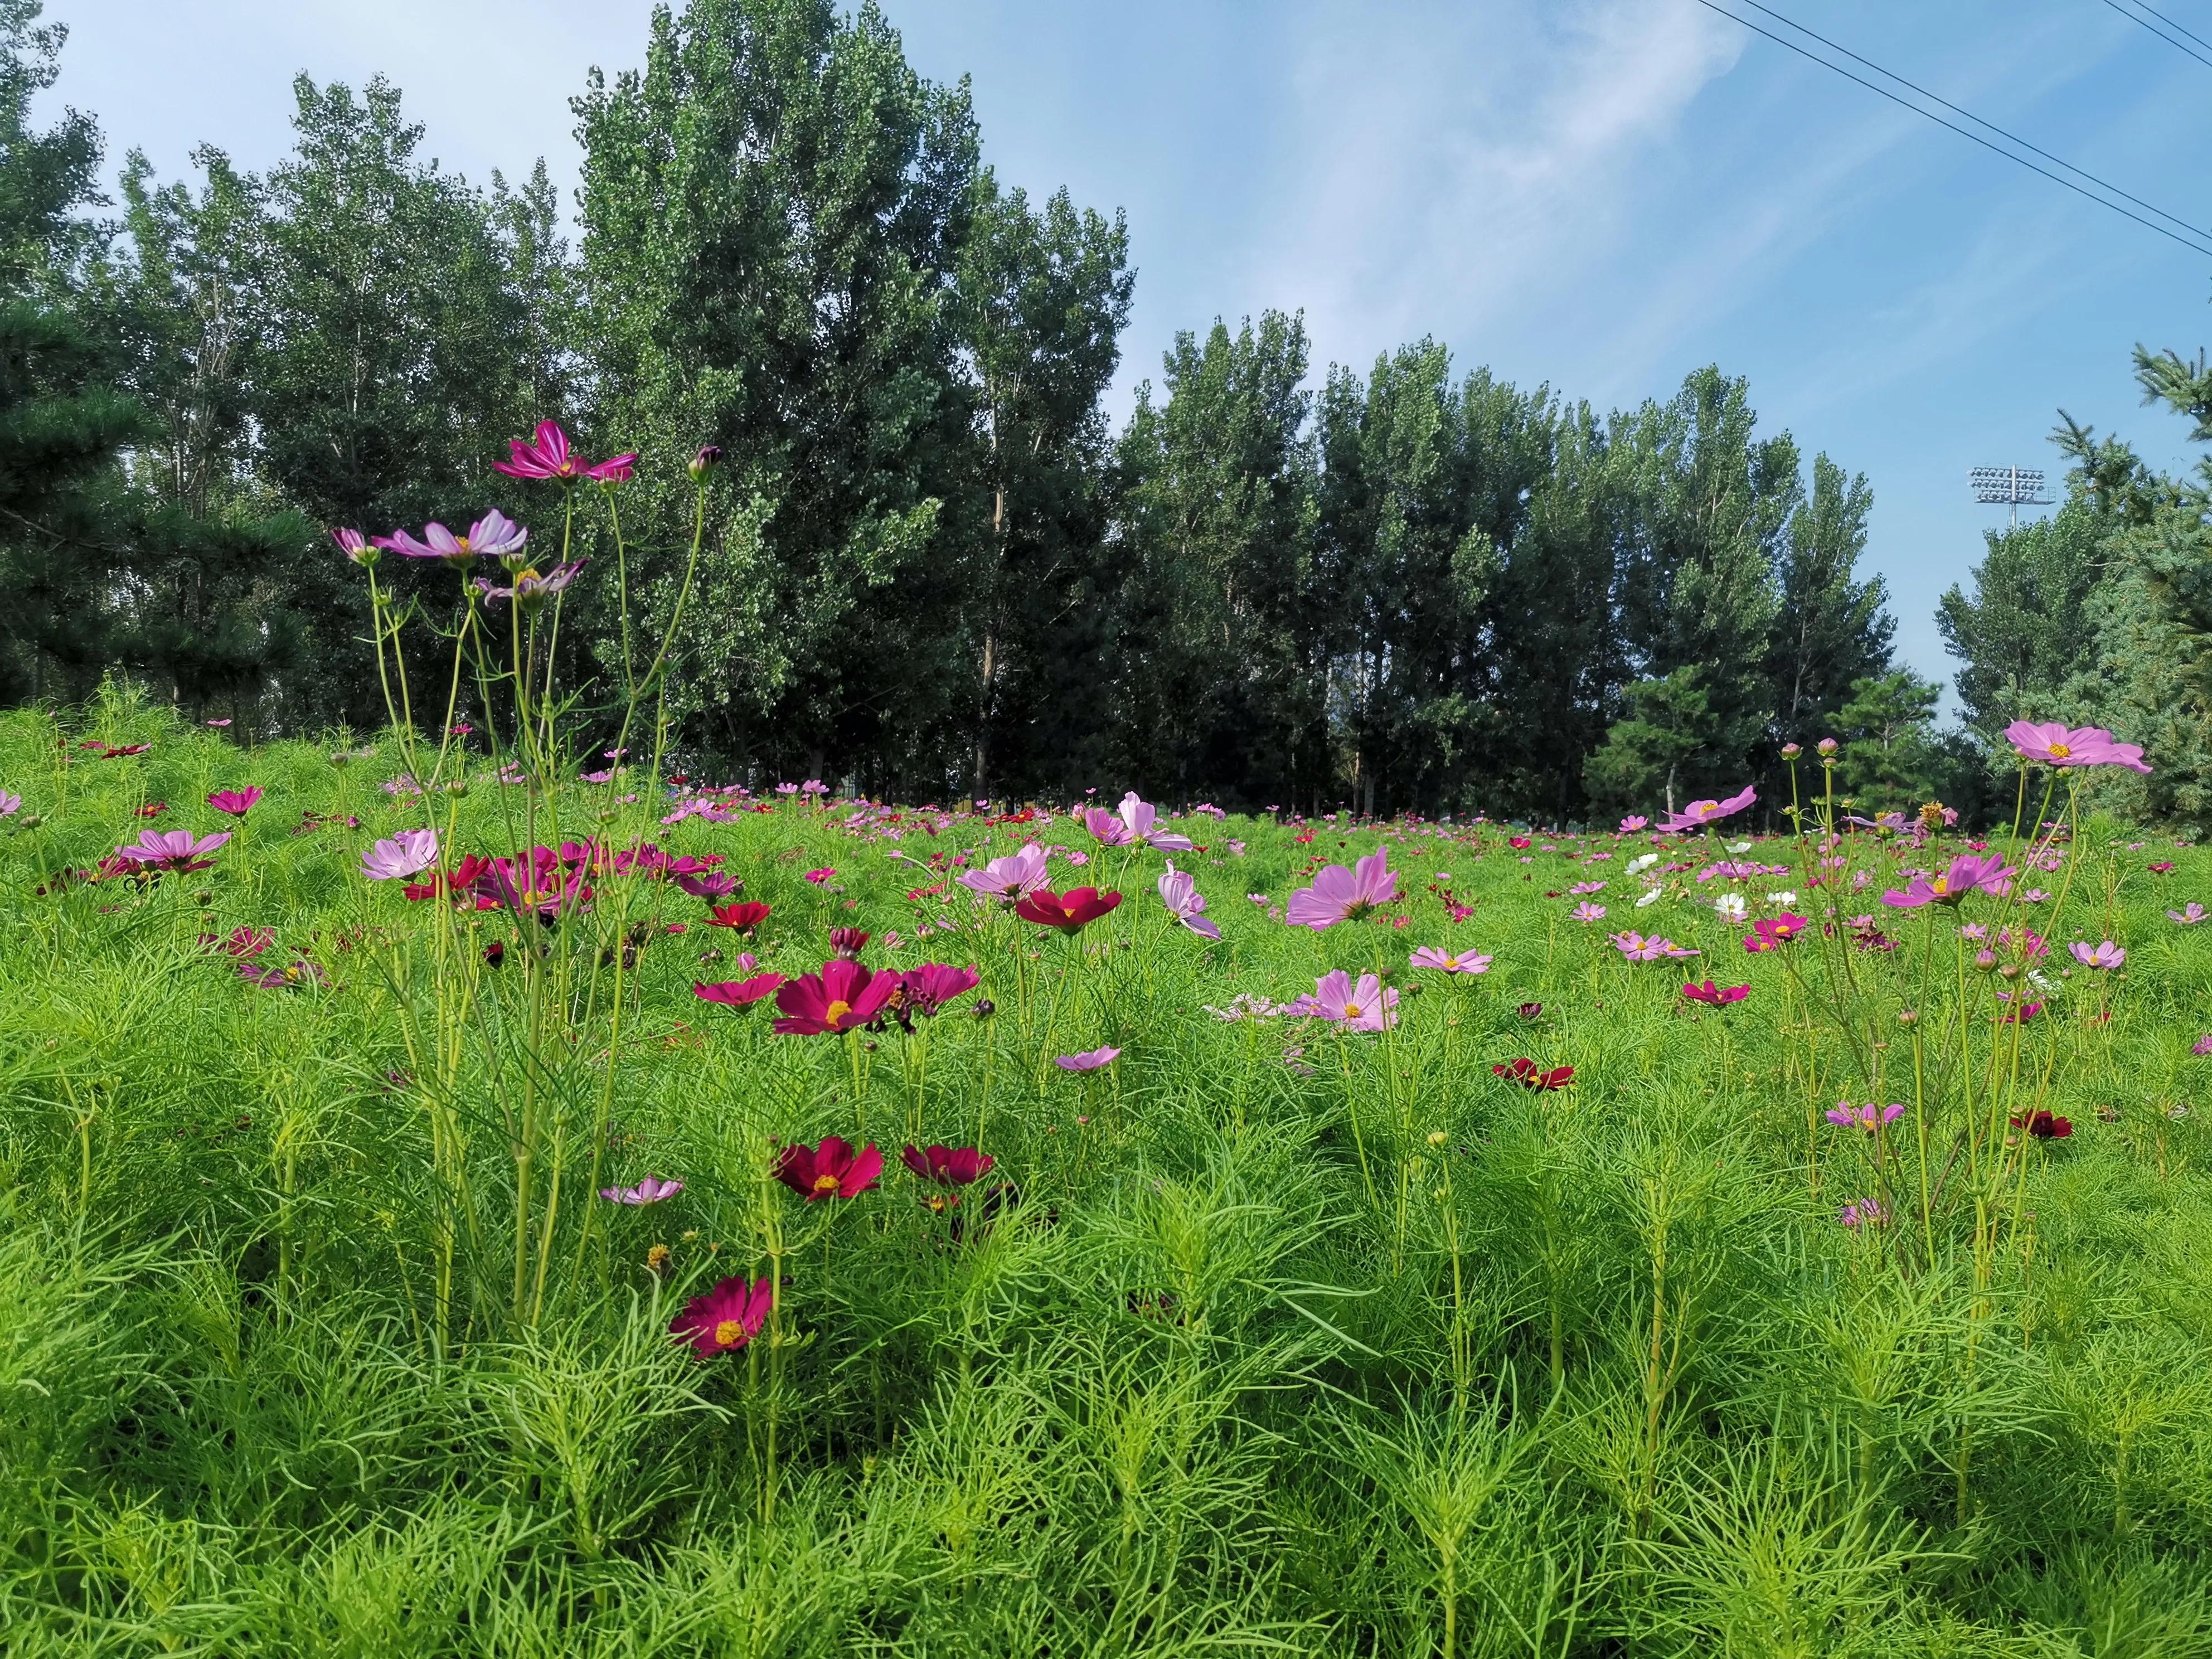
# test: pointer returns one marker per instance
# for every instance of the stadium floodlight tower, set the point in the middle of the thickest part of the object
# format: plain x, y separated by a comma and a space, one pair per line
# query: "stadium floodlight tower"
2009, 486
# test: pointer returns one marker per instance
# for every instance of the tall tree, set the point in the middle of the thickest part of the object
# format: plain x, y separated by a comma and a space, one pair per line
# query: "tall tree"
1830, 629
773, 215
2022, 633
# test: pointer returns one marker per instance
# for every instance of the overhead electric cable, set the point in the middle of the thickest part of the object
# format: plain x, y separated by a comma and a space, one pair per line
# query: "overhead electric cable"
2161, 34
2197, 240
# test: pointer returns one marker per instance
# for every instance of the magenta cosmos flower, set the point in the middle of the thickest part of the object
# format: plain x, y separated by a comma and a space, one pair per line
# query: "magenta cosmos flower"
1179, 892
738, 993
357, 547
1013, 877
492, 537
1449, 962
1366, 1006
1700, 812
547, 457
236, 802
173, 850
651, 1190
529, 589
1342, 895
927, 988
2107, 955
1772, 932
407, 853
726, 1318
1966, 874
833, 1170
1716, 995
842, 995
1869, 1117
948, 1166
2056, 744
1090, 1060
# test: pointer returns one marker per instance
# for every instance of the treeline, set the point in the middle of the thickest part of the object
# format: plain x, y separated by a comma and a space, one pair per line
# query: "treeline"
932, 565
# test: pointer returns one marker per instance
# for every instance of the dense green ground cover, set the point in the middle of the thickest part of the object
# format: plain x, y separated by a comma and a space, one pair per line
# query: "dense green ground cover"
1273, 1338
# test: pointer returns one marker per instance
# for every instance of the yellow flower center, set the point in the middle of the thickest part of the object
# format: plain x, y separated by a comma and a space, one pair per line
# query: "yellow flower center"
522, 576
834, 1016
1352, 1011
825, 1183
1942, 884
729, 1334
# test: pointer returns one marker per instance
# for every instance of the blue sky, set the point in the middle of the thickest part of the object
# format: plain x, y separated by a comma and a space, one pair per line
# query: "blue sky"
1602, 194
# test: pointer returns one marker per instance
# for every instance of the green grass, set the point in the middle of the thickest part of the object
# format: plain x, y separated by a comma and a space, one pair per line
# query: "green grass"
1592, 1372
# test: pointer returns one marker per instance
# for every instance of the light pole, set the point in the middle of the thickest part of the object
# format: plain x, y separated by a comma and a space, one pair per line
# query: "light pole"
2009, 486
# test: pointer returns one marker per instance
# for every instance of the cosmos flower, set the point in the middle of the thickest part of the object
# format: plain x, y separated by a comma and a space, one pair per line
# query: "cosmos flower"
407, 853
1342, 895
927, 988
1588, 912
947, 1166
2055, 744
833, 1170
1070, 912
1698, 813
818, 876
530, 590
1869, 1117
1716, 995
651, 1190
237, 803
842, 995
1637, 948
2105, 956
726, 1318
737, 994
1090, 1060
1449, 962
2045, 1125
848, 942
548, 457
743, 918
1772, 932
2189, 915
1179, 892
1013, 877
1630, 825
492, 536
173, 850
1529, 1075
1966, 874
708, 884
1863, 1212
1366, 1006
1140, 816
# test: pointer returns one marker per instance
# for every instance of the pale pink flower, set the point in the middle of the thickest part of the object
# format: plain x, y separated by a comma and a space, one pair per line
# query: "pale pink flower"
1342, 895
1366, 1006
1014, 876
407, 853
1449, 962
1179, 892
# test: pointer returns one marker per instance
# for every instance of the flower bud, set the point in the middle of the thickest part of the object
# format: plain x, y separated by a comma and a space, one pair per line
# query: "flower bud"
708, 457
2010, 970
1791, 751
1985, 960
1827, 746
1907, 1016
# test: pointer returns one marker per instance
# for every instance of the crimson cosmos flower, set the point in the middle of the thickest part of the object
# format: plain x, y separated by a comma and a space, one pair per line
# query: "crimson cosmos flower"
712, 885
2046, 1126
927, 988
848, 942
947, 1166
842, 995
549, 459
1717, 995
1070, 912
833, 1170
1529, 1075
738, 993
236, 802
723, 1319
744, 917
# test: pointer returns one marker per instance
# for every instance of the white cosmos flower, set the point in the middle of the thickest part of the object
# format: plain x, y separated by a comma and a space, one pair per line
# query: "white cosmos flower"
1637, 867
1781, 898
1651, 897
1730, 907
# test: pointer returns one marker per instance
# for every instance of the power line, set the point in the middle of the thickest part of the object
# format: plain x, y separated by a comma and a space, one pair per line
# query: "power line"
2199, 241
2161, 34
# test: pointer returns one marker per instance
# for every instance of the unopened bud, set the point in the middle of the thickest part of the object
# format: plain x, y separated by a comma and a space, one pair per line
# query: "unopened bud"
2010, 970
1791, 751
1907, 1016
708, 457
1437, 1137
1827, 746
1985, 960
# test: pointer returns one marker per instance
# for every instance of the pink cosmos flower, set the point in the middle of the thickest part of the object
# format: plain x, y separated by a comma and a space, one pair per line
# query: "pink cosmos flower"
1863, 1212
1966, 874
173, 850
1772, 932
1637, 948
726, 1318
2188, 916
1140, 815
492, 537
269, 976
651, 1190
927, 988
549, 457
1366, 1006
2055, 744
738, 993
710, 885
1583, 887
1449, 962
1717, 995
1701, 812
1179, 892
236, 802
818, 876
1108, 827
1013, 877
357, 547
1090, 1060
1342, 895
2107, 955
1869, 1117
1632, 823
842, 995
2202, 1045
529, 589
8, 803
407, 853
1588, 912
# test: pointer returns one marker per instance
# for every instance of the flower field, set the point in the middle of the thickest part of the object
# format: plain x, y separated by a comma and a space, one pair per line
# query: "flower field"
466, 1196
